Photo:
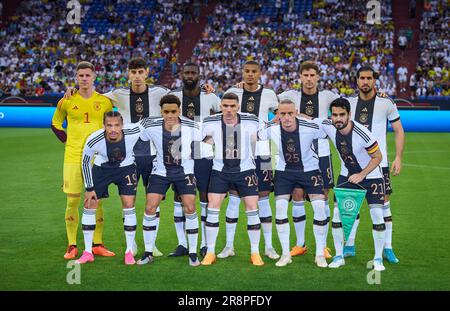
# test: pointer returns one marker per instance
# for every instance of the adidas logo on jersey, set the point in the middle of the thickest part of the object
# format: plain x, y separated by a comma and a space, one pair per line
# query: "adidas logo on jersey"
364, 110
75, 107
191, 105
251, 98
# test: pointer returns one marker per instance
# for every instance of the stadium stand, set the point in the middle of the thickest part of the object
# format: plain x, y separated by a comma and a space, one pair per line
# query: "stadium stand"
282, 35
40, 49
431, 79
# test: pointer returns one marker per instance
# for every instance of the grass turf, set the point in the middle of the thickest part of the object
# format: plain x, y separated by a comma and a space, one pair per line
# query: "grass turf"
33, 238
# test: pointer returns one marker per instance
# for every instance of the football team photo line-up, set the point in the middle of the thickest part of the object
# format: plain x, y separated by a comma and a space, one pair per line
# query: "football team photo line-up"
189, 139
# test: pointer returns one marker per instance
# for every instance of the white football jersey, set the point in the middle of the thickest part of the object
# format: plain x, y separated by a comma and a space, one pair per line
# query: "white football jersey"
258, 103
316, 106
233, 145
293, 150
198, 108
174, 150
133, 106
374, 115
109, 154
354, 149
136, 106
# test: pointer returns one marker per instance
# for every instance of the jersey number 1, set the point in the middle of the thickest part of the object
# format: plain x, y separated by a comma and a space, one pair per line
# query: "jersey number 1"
86, 117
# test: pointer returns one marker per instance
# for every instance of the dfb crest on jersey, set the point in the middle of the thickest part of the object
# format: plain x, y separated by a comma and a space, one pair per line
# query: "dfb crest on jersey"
117, 155
139, 106
343, 148
97, 106
363, 117
191, 111
230, 142
250, 106
290, 145
309, 108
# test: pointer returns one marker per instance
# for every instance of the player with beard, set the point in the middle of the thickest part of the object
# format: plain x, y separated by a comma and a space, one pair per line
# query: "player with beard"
195, 105
374, 112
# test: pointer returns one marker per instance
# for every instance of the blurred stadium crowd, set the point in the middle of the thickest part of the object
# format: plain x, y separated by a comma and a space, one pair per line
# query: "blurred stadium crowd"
40, 49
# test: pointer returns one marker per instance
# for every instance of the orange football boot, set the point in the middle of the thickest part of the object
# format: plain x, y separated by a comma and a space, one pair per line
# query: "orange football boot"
298, 250
101, 250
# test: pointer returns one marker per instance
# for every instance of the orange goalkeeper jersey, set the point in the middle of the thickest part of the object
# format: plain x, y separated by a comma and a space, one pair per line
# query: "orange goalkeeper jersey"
84, 116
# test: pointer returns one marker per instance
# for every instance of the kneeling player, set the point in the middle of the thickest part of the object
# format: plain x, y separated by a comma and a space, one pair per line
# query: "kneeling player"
114, 163
233, 135
173, 137
360, 158
297, 167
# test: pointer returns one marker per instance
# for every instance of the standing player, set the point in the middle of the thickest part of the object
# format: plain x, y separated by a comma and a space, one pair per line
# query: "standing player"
374, 112
84, 114
259, 101
234, 135
195, 105
173, 137
112, 148
136, 103
313, 103
297, 167
360, 158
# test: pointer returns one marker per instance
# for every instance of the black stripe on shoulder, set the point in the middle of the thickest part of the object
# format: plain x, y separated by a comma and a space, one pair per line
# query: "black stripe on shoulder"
308, 124
270, 124
361, 133
96, 139
248, 116
327, 122
213, 118
395, 120
154, 124
133, 130
189, 123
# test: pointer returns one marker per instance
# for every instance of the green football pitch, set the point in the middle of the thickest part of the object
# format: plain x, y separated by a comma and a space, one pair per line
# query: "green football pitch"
33, 238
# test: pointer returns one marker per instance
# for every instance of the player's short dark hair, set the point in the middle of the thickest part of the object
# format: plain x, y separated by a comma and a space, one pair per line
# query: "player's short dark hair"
252, 62
136, 63
85, 65
112, 114
367, 68
191, 64
169, 99
340, 103
307, 65
231, 96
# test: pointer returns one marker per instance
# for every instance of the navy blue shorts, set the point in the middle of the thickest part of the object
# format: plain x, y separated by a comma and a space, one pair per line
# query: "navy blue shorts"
265, 174
326, 168
285, 182
387, 180
202, 172
184, 184
124, 177
374, 187
144, 168
245, 183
